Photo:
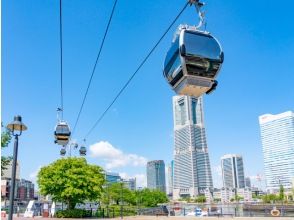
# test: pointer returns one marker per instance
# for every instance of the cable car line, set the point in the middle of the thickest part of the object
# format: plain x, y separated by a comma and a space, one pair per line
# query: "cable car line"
137, 70
61, 61
94, 68
62, 130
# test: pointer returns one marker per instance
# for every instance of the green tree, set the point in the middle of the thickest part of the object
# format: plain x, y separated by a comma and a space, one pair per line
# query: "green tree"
281, 193
200, 199
269, 198
71, 180
114, 192
150, 198
5, 140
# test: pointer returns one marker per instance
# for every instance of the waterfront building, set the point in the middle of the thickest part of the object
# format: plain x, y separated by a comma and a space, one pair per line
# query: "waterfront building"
130, 183
24, 191
192, 171
245, 193
112, 177
170, 178
247, 182
277, 137
156, 175
227, 195
232, 171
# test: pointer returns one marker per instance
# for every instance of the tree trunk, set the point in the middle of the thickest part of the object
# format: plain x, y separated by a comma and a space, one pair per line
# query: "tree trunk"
70, 205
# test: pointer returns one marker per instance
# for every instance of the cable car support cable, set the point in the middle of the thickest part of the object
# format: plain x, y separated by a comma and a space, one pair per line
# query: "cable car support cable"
61, 61
94, 68
137, 70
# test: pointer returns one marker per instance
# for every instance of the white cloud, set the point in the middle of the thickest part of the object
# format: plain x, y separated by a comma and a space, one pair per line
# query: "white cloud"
141, 179
114, 157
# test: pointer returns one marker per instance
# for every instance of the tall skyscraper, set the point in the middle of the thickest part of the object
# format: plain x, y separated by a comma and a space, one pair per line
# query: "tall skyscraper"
192, 172
170, 178
156, 175
277, 137
232, 171
247, 182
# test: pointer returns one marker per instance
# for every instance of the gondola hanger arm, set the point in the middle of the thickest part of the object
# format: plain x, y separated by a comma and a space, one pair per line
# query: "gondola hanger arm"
201, 14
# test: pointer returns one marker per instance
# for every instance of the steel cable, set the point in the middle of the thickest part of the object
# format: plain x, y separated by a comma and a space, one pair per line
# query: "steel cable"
138, 68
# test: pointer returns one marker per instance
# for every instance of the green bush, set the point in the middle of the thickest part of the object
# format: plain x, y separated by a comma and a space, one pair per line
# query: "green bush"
73, 213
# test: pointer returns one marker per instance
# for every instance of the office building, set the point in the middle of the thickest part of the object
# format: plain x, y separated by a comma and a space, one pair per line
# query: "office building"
130, 183
170, 172
192, 172
112, 177
24, 190
247, 182
232, 171
156, 175
277, 137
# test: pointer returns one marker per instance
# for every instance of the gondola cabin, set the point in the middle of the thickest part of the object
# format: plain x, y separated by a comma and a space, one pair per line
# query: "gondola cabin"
62, 152
83, 151
193, 62
62, 133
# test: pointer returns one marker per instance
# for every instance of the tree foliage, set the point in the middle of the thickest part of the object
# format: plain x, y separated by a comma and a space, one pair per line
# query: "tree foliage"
5, 140
150, 198
113, 193
200, 199
281, 193
71, 180
269, 198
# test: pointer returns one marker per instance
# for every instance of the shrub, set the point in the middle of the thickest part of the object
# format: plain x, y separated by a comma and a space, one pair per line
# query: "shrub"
73, 213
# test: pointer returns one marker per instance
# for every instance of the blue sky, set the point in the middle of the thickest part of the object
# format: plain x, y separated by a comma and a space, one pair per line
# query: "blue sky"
257, 77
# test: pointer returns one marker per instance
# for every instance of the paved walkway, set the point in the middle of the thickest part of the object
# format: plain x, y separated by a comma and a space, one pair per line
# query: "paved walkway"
164, 218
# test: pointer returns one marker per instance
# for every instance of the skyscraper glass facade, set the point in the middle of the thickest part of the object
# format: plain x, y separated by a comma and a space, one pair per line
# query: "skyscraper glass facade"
156, 175
192, 172
277, 137
233, 171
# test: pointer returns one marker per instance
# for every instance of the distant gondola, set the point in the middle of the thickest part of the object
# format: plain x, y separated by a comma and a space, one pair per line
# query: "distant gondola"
193, 62
83, 151
62, 152
62, 133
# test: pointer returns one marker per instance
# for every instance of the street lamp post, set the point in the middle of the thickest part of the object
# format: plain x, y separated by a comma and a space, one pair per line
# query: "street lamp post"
121, 199
18, 126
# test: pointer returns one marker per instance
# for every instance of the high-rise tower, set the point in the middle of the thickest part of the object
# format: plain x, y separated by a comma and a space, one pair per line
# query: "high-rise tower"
192, 172
277, 136
233, 171
156, 175
170, 173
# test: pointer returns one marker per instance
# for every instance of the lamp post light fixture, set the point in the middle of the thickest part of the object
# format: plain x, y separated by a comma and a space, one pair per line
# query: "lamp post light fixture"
16, 127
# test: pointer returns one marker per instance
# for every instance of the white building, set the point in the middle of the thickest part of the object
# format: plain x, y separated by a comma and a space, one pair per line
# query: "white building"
192, 172
228, 194
7, 172
232, 171
245, 193
170, 173
277, 136
130, 183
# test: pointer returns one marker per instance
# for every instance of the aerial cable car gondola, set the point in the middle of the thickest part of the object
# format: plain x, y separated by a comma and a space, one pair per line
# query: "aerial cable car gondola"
83, 149
62, 152
193, 60
62, 131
